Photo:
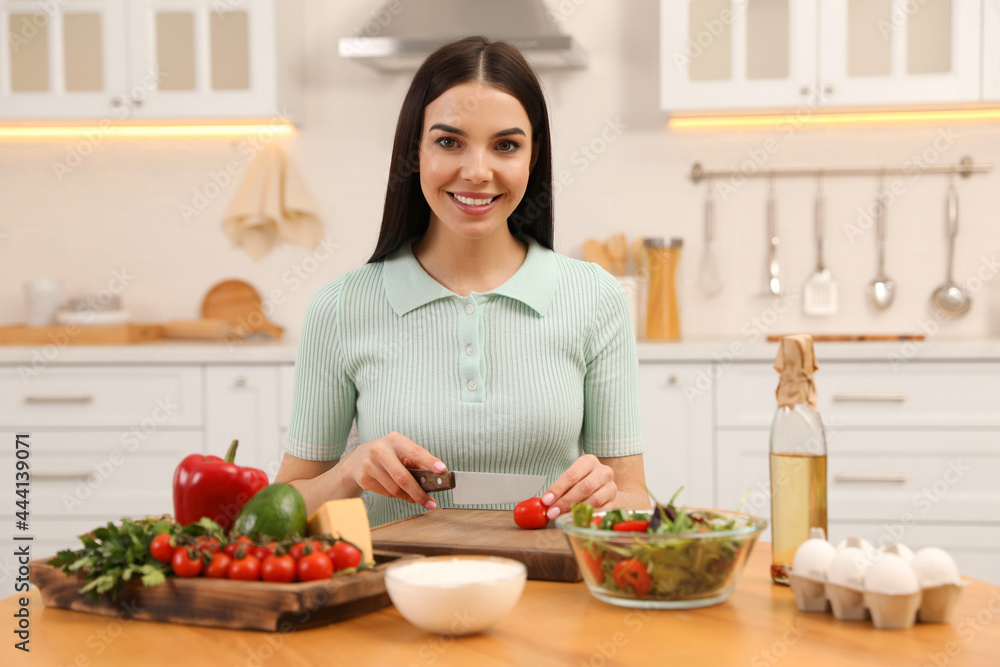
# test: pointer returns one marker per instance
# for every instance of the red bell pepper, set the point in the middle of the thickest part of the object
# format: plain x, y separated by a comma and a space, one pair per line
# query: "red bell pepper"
214, 487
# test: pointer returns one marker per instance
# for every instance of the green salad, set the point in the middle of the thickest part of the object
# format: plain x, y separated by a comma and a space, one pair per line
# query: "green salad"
638, 557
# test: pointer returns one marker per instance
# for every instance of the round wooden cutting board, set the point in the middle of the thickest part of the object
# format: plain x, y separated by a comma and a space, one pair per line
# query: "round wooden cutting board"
239, 304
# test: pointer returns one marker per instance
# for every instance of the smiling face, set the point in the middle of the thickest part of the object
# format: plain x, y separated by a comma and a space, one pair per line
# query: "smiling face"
475, 158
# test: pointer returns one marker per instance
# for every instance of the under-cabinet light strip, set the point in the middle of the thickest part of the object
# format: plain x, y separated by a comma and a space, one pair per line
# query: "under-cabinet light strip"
68, 132
796, 119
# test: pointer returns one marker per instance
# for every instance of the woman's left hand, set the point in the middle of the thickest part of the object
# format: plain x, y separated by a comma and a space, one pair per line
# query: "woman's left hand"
586, 481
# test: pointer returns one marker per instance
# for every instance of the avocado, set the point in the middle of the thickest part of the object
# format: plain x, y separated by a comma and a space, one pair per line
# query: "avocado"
276, 512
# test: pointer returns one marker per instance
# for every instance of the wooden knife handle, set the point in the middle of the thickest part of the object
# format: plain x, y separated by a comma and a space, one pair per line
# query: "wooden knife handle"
431, 481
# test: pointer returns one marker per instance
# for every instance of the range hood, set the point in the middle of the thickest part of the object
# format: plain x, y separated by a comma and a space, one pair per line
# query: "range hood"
402, 33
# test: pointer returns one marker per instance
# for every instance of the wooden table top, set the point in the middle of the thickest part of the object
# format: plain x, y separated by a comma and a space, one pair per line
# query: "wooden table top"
553, 624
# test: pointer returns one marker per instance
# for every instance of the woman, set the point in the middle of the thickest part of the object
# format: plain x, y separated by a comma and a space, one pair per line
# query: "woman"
465, 342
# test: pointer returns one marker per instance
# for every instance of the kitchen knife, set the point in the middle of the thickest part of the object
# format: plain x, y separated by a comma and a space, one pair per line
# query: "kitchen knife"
480, 488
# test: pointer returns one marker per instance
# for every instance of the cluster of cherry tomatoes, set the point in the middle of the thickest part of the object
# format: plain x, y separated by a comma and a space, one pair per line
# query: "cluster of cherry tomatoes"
241, 559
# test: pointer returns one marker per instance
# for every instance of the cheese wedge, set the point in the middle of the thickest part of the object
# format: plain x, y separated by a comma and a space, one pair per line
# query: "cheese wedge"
346, 519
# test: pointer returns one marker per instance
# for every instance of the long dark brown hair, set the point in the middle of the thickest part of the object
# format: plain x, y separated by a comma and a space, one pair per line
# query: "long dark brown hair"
497, 64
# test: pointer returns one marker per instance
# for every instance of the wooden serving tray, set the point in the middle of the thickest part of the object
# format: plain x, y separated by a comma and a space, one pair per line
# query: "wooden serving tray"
545, 552
220, 603
68, 334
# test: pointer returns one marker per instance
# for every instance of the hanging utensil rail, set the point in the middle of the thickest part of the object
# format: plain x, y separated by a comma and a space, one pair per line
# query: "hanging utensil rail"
965, 167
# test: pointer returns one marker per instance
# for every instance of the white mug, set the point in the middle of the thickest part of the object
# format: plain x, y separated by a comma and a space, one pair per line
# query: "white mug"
43, 298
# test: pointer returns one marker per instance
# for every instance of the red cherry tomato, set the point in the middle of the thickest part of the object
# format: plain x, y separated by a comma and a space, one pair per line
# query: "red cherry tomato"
278, 568
314, 566
632, 573
530, 514
160, 548
231, 548
219, 567
299, 550
344, 555
206, 545
261, 553
635, 526
184, 564
245, 569
593, 564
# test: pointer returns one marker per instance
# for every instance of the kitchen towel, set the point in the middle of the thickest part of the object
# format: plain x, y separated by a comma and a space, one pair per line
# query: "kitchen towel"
273, 205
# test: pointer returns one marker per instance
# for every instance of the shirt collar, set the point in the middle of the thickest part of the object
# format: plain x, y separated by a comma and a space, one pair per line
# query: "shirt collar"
408, 286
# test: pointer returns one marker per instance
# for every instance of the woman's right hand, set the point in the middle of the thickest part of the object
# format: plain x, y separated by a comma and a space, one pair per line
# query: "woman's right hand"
383, 465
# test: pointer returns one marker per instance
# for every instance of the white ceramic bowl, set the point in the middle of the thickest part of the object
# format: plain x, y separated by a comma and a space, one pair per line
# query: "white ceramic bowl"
455, 595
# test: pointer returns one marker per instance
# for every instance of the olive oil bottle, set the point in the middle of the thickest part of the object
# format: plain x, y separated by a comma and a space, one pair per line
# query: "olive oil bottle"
798, 455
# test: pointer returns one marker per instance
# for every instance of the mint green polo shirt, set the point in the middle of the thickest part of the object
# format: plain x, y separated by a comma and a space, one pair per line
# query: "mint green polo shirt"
522, 379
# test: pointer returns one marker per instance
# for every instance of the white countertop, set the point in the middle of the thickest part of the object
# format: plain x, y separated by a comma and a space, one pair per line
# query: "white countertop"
726, 351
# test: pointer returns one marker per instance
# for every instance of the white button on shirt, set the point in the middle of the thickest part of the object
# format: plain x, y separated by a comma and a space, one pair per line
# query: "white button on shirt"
469, 308
472, 385
470, 350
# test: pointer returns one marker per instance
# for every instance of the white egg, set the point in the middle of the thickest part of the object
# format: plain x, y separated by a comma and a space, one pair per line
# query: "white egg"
905, 552
891, 547
891, 575
870, 551
849, 565
935, 567
812, 558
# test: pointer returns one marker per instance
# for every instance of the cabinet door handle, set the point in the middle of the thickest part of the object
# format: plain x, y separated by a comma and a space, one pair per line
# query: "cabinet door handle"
41, 476
895, 479
41, 400
870, 398
240, 382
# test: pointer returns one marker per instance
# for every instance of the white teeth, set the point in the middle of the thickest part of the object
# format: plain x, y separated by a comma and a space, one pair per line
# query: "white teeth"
473, 202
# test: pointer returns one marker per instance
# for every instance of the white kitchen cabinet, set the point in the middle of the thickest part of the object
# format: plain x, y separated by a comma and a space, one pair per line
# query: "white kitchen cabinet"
909, 447
62, 56
103, 443
101, 396
676, 407
991, 51
898, 52
151, 59
734, 54
823, 54
242, 404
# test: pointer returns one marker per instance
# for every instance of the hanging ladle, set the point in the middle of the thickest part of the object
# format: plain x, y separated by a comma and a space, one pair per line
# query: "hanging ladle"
950, 299
881, 290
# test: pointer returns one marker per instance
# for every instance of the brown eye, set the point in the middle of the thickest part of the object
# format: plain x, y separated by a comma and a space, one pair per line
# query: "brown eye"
447, 142
507, 146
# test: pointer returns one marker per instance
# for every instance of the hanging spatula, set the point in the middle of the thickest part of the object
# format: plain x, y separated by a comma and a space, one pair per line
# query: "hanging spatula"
820, 292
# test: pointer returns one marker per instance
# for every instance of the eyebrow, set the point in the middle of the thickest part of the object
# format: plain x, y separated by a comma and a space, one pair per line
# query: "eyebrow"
462, 133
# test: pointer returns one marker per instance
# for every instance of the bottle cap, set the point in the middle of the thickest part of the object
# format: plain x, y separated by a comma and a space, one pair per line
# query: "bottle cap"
796, 362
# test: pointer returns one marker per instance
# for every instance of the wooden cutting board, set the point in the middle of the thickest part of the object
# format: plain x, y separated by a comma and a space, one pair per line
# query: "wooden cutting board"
853, 338
68, 334
545, 552
221, 603
239, 304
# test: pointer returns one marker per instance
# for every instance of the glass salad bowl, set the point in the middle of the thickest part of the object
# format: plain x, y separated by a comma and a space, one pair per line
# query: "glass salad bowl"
698, 567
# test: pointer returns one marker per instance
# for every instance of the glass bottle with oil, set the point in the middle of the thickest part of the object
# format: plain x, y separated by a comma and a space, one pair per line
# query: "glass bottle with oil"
798, 455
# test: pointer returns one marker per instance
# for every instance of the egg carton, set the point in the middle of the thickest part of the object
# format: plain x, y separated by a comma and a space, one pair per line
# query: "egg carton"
894, 588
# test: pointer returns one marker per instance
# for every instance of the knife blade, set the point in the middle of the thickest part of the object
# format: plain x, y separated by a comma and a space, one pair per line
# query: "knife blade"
480, 488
